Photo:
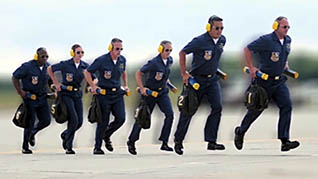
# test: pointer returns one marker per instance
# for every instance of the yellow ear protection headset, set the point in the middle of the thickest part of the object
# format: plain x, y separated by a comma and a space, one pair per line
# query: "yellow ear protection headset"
210, 21
114, 40
36, 55
275, 25
160, 48
208, 27
72, 53
110, 47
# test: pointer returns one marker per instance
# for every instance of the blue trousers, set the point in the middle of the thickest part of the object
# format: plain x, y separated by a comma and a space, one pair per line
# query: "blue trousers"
210, 88
165, 106
36, 109
277, 90
109, 104
75, 118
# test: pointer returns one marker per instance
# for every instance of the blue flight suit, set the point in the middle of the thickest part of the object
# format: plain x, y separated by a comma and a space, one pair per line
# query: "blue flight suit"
206, 58
109, 75
273, 58
156, 76
72, 76
34, 81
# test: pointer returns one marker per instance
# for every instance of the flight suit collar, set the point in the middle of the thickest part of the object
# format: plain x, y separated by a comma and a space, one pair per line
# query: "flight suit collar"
108, 57
35, 63
71, 61
275, 38
161, 60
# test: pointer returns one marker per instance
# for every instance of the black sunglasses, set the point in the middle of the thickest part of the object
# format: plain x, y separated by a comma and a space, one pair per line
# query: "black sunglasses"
168, 50
44, 56
219, 28
118, 49
286, 27
80, 52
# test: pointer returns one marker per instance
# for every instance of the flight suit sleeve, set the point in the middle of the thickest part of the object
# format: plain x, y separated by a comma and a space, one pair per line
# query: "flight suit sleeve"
85, 65
191, 46
147, 67
20, 72
58, 66
258, 45
94, 66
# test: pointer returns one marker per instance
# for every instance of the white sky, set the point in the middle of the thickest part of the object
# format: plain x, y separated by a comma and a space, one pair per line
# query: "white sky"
141, 24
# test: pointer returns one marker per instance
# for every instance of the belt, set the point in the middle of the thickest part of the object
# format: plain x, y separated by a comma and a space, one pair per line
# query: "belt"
156, 89
34, 96
274, 77
104, 91
205, 76
69, 88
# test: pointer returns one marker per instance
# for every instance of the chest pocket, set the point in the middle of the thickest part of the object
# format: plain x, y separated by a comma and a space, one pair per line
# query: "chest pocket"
167, 72
80, 74
287, 48
121, 68
220, 47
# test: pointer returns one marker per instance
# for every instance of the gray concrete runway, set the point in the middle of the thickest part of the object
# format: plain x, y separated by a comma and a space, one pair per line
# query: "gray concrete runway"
260, 158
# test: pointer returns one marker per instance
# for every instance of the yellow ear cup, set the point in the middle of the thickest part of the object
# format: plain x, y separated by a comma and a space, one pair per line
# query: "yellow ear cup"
275, 25
208, 27
72, 53
160, 48
110, 47
36, 56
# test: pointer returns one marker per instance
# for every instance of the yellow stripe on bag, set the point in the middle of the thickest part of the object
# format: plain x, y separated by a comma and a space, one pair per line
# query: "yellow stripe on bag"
249, 98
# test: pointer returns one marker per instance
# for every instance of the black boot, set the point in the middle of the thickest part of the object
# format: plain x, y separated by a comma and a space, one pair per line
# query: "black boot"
63, 141
26, 151
131, 147
32, 141
108, 144
215, 146
69, 151
166, 147
178, 147
287, 145
98, 152
239, 138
